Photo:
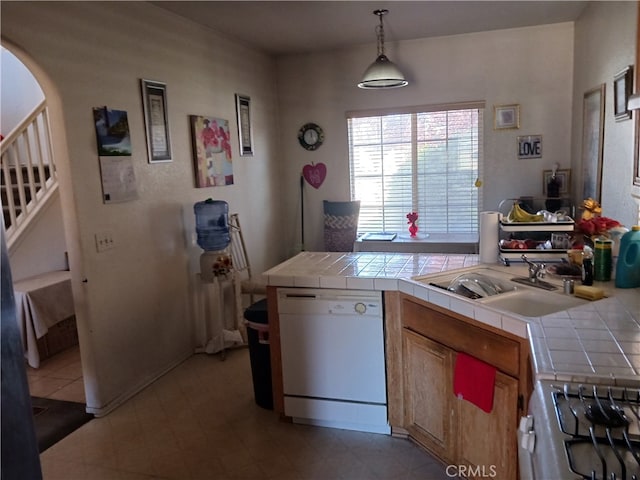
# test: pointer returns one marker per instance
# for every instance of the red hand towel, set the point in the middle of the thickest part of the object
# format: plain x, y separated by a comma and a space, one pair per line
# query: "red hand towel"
474, 381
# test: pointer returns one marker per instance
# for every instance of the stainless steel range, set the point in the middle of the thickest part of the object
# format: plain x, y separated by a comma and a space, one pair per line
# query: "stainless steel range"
581, 431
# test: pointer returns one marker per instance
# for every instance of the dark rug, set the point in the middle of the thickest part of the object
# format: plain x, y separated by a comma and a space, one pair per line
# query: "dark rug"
55, 419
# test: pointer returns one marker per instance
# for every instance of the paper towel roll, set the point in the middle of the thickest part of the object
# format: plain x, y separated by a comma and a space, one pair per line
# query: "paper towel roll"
489, 232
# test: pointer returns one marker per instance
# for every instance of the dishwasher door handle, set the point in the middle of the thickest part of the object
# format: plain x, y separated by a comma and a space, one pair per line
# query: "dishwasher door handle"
301, 295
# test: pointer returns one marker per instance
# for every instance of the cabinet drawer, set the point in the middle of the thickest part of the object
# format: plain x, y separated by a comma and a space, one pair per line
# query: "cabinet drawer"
501, 352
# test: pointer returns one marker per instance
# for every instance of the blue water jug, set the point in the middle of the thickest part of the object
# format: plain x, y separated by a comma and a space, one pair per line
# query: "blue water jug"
212, 224
628, 267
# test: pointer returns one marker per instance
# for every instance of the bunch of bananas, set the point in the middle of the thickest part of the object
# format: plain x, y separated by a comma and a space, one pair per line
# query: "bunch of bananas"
518, 214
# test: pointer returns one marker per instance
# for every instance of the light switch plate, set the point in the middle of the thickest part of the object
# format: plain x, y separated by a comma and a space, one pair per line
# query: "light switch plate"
104, 241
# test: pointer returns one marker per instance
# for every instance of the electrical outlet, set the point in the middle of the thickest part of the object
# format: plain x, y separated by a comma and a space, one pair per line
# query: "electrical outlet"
104, 241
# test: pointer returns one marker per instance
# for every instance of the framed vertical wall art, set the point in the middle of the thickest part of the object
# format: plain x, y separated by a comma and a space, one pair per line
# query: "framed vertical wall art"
622, 83
243, 114
156, 119
592, 142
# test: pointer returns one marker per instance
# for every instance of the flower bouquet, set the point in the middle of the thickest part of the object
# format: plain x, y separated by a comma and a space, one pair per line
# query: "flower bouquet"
592, 224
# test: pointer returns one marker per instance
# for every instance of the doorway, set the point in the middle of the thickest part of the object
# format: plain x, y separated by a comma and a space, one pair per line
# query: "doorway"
42, 247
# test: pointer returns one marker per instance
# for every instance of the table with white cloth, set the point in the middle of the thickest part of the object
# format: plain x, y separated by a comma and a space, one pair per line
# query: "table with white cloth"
42, 301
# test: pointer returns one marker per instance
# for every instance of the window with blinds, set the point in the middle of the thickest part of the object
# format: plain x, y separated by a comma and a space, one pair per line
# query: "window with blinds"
417, 161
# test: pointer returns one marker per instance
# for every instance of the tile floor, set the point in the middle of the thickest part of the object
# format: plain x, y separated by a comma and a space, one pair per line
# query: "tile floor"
59, 377
200, 422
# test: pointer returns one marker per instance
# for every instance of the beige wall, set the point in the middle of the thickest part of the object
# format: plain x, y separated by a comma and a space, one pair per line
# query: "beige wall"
532, 67
135, 316
43, 247
605, 44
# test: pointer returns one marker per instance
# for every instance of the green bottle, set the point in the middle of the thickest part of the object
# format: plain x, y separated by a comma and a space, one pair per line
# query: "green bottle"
602, 260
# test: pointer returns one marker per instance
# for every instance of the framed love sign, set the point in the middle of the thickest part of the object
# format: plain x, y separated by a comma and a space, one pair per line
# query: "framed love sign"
529, 146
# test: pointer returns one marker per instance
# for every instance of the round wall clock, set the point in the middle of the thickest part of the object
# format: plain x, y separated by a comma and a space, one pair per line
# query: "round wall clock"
310, 136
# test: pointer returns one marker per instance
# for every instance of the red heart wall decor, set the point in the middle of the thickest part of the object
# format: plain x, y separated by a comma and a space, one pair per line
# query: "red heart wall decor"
315, 174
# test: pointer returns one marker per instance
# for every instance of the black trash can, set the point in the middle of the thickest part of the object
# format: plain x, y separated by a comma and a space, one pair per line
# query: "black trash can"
260, 352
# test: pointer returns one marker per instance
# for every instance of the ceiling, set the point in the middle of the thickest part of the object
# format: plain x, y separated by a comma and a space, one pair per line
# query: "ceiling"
287, 27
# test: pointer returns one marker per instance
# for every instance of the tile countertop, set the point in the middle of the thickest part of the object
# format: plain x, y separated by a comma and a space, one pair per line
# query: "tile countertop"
596, 342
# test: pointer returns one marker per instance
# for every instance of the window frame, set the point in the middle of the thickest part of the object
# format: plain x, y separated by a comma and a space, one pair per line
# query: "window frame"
479, 106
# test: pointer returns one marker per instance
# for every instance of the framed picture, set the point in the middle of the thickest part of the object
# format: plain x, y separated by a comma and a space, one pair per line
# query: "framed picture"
112, 132
211, 151
529, 146
243, 114
506, 116
622, 83
592, 142
563, 177
154, 101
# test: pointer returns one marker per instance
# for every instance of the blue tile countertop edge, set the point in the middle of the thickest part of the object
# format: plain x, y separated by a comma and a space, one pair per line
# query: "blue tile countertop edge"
597, 342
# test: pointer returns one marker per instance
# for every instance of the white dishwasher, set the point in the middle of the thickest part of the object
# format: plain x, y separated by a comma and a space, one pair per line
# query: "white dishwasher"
333, 362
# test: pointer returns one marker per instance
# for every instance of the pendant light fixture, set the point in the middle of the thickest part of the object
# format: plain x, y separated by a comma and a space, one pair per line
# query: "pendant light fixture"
382, 73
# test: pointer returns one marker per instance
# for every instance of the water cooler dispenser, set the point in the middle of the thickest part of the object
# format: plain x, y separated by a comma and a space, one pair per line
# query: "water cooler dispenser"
217, 276
212, 229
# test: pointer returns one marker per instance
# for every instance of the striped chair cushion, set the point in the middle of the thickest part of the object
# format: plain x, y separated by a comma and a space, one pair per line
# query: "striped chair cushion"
340, 225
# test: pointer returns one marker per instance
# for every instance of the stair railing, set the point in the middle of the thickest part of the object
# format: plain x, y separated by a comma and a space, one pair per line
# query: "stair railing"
28, 172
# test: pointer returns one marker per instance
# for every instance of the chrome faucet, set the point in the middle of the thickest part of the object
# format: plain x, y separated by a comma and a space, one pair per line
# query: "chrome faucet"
536, 270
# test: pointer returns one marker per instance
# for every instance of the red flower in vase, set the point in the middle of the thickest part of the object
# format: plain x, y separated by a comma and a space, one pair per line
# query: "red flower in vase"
412, 219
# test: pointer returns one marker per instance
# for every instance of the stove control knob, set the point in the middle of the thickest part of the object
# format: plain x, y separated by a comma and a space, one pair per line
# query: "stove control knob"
360, 308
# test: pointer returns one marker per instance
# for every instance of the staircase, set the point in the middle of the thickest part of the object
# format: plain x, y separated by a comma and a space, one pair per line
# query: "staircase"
27, 173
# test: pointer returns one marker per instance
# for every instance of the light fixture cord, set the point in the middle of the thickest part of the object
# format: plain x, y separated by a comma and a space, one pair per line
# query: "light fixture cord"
380, 32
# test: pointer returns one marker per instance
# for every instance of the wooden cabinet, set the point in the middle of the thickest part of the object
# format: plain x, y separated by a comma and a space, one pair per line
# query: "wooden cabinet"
455, 430
488, 440
428, 394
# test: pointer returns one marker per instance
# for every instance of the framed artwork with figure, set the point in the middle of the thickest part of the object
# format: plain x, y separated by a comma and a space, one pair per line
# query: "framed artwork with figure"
211, 151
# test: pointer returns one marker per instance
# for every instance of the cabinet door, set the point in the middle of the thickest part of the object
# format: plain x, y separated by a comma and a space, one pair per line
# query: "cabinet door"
428, 394
487, 441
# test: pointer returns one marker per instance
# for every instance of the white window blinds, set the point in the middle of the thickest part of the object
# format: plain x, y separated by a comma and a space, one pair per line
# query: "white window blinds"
418, 161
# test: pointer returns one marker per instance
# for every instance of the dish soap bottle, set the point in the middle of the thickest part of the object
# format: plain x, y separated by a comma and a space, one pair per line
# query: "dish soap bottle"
628, 267
587, 266
616, 234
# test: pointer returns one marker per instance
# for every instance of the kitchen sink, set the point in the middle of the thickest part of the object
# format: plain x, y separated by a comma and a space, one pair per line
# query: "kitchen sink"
446, 280
504, 292
532, 303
